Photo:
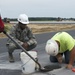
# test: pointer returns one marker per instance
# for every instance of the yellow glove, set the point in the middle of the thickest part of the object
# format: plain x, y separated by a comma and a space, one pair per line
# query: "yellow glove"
7, 28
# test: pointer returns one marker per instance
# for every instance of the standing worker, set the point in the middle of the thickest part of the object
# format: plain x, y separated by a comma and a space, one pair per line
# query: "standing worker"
1, 25
61, 43
23, 35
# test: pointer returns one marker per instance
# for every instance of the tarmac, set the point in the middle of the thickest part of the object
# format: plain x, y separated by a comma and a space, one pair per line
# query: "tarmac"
7, 68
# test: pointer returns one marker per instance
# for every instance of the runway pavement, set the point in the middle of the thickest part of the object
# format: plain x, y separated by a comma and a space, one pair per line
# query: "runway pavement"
7, 68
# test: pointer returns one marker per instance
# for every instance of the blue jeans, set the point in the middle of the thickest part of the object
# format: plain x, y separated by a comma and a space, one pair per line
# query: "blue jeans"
66, 55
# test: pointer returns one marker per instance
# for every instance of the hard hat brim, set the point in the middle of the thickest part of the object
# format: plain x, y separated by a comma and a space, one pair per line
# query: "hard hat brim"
24, 22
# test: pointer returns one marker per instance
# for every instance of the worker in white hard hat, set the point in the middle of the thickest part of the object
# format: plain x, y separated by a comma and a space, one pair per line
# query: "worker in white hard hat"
61, 44
22, 34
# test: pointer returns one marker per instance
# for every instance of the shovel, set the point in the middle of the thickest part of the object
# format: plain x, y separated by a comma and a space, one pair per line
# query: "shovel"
42, 69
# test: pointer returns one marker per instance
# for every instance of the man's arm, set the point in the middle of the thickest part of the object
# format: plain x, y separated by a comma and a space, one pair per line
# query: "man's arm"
31, 37
72, 57
13, 35
59, 57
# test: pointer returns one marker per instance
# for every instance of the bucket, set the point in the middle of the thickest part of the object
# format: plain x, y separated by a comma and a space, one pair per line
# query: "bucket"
28, 65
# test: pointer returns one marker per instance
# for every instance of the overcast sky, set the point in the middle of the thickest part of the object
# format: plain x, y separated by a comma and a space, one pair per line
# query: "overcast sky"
38, 8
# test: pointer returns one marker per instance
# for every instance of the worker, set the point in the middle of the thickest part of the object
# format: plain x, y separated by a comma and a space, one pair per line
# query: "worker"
23, 35
1, 25
61, 45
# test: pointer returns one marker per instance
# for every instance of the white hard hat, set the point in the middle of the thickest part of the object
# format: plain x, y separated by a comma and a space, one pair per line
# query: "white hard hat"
23, 18
51, 47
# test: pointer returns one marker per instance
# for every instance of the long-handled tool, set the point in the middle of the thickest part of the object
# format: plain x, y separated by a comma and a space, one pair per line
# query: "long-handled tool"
42, 69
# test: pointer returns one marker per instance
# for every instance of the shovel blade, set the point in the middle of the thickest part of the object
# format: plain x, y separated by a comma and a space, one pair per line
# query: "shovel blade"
48, 68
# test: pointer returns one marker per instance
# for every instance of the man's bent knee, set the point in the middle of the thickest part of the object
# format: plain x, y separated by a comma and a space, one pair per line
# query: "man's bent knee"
11, 47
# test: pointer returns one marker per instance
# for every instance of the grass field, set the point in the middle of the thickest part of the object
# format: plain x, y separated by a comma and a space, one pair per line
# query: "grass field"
43, 28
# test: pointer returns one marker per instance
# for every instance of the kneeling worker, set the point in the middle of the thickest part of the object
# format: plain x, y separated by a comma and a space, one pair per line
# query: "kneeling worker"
61, 43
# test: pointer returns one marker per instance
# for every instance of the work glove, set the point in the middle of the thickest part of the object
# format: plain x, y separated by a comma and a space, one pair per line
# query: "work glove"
25, 45
69, 66
59, 58
7, 28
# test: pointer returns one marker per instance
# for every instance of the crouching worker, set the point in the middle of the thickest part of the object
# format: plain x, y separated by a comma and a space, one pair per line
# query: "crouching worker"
23, 35
61, 43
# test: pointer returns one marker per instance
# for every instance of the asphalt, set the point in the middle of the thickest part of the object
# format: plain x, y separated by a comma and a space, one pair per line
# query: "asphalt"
7, 68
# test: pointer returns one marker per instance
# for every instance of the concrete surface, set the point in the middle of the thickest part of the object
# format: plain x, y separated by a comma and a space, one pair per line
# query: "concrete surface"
7, 68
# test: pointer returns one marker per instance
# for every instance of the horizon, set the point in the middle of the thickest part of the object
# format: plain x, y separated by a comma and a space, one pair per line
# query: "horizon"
38, 8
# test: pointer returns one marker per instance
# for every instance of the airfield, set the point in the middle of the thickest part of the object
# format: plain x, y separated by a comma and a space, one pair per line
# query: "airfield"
7, 68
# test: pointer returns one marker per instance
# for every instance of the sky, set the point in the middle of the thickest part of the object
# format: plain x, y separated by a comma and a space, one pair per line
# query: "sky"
37, 8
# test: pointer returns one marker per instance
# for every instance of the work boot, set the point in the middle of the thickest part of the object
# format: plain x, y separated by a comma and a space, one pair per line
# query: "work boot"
11, 59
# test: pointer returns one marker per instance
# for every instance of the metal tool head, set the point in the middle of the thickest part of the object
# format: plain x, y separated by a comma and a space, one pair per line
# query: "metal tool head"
44, 69
48, 68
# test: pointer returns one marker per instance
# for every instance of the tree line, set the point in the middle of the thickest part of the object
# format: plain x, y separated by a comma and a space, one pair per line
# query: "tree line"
7, 20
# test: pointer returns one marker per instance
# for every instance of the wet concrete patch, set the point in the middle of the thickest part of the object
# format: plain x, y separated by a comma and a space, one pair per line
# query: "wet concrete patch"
52, 67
